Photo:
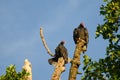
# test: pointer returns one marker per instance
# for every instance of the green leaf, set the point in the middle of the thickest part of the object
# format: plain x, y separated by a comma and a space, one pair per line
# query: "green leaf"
12, 74
97, 33
115, 39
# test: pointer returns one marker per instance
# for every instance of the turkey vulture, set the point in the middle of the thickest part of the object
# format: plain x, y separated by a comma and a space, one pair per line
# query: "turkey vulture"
60, 51
81, 33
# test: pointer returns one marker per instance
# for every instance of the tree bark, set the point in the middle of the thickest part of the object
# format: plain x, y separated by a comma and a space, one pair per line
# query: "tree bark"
59, 68
76, 60
44, 43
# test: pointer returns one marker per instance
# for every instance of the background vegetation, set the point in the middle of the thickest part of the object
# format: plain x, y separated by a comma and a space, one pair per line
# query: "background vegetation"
107, 68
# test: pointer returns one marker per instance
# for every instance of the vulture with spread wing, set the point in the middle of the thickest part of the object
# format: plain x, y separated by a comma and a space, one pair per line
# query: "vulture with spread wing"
60, 51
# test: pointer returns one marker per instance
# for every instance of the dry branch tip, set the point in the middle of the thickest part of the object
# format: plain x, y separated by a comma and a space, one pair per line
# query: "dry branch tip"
44, 43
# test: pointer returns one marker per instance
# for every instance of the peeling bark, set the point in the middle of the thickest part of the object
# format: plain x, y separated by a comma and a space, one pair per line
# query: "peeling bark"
76, 60
59, 68
27, 67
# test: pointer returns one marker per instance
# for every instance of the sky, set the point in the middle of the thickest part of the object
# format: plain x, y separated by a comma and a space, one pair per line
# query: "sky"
20, 22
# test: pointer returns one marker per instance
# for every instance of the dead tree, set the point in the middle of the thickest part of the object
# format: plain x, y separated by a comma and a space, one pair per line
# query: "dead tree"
59, 68
76, 60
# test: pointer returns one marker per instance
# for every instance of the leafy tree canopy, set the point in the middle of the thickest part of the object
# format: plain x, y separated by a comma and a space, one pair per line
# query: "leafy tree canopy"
11, 74
107, 68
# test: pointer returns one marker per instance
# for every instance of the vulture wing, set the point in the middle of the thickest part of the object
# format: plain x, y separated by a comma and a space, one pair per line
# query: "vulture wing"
64, 53
75, 35
61, 51
86, 35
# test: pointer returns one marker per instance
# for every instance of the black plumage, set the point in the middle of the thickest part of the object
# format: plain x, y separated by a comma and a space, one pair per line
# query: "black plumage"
81, 33
60, 51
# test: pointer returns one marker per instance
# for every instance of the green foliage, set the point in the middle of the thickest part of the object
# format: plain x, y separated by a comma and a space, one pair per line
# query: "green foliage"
111, 13
11, 74
107, 68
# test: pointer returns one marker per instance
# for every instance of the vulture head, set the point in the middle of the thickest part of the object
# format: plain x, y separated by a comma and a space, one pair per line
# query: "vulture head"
82, 24
62, 42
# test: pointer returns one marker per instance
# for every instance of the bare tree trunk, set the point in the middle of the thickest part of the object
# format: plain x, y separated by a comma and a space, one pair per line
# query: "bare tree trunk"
76, 60
27, 67
59, 68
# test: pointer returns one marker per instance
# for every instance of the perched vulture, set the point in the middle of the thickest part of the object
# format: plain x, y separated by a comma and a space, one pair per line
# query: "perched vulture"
60, 51
81, 33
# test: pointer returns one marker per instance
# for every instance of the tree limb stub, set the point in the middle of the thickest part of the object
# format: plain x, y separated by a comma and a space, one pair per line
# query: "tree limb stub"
44, 43
76, 60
